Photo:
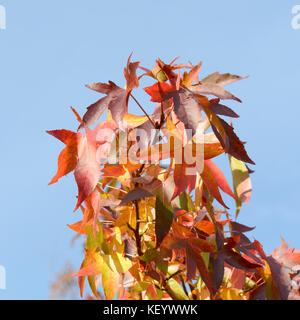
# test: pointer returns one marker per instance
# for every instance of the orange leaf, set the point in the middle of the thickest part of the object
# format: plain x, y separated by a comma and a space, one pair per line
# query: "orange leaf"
67, 160
219, 177
211, 183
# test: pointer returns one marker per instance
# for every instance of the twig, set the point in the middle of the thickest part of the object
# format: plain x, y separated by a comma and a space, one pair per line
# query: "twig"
137, 229
146, 114
183, 285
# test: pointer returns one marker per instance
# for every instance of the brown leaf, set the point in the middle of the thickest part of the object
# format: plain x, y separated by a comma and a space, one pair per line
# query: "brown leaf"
136, 194
233, 144
116, 98
214, 84
222, 110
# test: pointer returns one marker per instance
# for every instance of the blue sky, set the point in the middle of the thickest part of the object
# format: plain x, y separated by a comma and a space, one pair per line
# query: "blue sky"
50, 49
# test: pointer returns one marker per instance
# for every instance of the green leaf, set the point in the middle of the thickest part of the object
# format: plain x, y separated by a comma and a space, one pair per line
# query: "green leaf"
163, 220
184, 201
175, 291
241, 183
149, 255
110, 281
91, 280
92, 243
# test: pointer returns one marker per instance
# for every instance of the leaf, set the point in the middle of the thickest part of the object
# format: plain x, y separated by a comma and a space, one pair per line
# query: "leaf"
206, 226
133, 121
200, 245
181, 180
219, 177
224, 132
235, 146
80, 156
122, 264
163, 220
241, 182
192, 75
87, 171
191, 265
159, 92
115, 100
281, 277
195, 257
211, 183
123, 173
184, 201
81, 280
222, 110
92, 283
76, 115
287, 257
77, 227
186, 106
92, 268
238, 227
149, 255
217, 265
237, 261
175, 291
110, 280
151, 292
136, 194
214, 84
181, 231
290, 259
187, 109
238, 278
231, 294
97, 264
93, 242
130, 74
90, 213
67, 160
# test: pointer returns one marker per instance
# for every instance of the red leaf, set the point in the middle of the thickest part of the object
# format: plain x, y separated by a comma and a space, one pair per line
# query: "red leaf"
279, 273
159, 92
219, 177
116, 98
195, 257
87, 172
211, 183
68, 158
182, 180
233, 145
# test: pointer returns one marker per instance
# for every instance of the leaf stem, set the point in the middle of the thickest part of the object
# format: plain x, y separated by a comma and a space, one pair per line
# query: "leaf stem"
146, 114
137, 229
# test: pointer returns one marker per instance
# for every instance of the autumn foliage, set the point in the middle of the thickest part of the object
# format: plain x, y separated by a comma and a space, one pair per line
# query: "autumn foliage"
149, 191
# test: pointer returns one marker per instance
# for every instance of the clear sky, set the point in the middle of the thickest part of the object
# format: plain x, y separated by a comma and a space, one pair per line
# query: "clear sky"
50, 49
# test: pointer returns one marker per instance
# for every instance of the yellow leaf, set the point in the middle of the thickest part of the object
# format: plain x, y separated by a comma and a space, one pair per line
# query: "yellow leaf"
241, 182
231, 294
133, 121
121, 263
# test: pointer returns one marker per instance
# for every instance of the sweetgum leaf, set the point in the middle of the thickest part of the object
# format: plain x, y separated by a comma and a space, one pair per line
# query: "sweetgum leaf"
222, 110
136, 194
163, 220
116, 98
214, 84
